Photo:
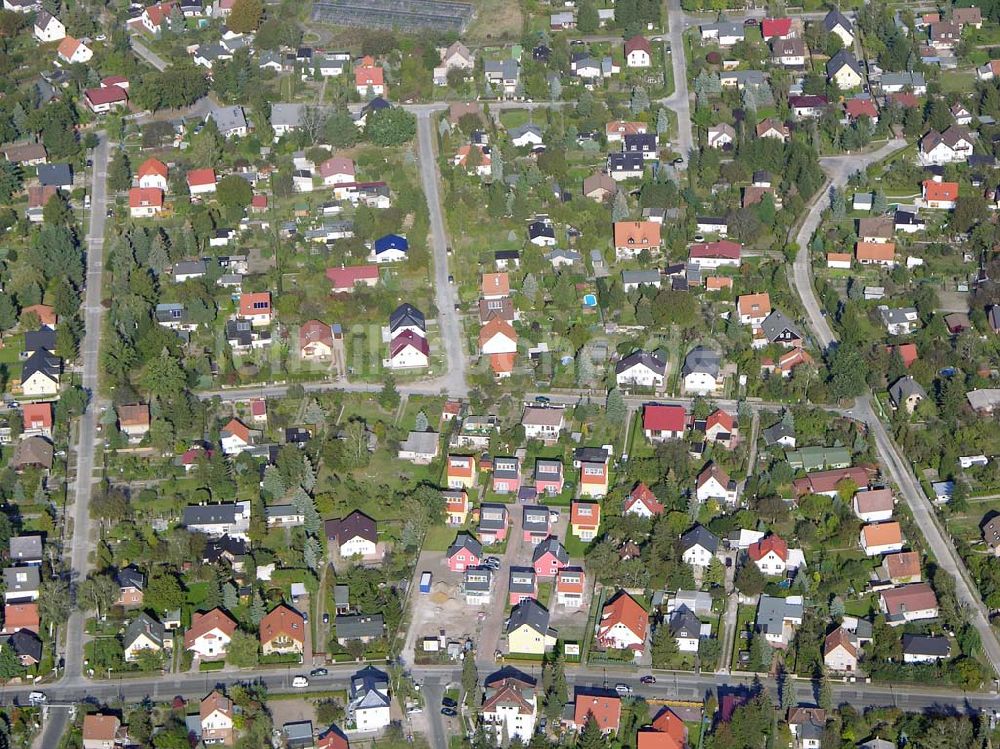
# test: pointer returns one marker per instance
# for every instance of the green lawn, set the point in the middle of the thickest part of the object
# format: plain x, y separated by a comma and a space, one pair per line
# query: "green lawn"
440, 537
511, 118
955, 81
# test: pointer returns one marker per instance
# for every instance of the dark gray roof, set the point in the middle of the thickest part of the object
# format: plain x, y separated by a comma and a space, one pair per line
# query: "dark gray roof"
591, 455
21, 580
684, 623
478, 579
506, 468
626, 162
835, 18
144, 624
369, 679
776, 324
778, 431
699, 535
467, 542
355, 525
190, 267
641, 357
41, 361
540, 229
535, 517
551, 544
281, 511
839, 60
25, 548
356, 626
771, 614
229, 118
522, 580
55, 174
407, 314
130, 577
530, 613
43, 338
209, 514
26, 644
938, 647
702, 359
497, 516
903, 388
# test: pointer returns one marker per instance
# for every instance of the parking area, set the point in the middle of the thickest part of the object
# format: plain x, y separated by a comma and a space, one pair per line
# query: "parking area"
443, 608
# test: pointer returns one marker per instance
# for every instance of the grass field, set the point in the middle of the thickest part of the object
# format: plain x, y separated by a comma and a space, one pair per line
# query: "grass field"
954, 81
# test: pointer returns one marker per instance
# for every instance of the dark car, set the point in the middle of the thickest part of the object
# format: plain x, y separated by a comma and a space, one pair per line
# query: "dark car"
648, 680
326, 618
448, 702
450, 712
319, 672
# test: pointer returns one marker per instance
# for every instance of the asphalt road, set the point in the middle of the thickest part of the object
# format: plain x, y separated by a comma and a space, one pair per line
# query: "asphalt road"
679, 101
454, 381
669, 685
87, 434
839, 169
139, 47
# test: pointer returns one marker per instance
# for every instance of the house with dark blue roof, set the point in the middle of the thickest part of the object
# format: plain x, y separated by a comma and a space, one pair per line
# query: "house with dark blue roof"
391, 248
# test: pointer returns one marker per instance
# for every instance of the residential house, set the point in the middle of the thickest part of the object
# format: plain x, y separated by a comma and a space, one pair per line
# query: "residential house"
22, 584
594, 465
36, 420
901, 568
355, 536
830, 482
420, 448
753, 308
806, 725
699, 546
528, 629
777, 619
461, 472
464, 553
873, 505
100, 731
282, 630
936, 193
131, 586
632, 237
837, 23
364, 628
638, 52
494, 522
840, 651
72, 51
642, 502
48, 28
881, 538
201, 182
543, 423
26, 550
535, 523
40, 374
701, 371
623, 624
662, 422
133, 421
522, 585
714, 483
218, 520
209, 635
369, 703
509, 706
216, 716
570, 587
906, 393
899, 321
478, 586
33, 452
231, 121
144, 633
152, 175
685, 627
640, 369
344, 280
711, 255
585, 519
923, 649
720, 136
548, 476
456, 506
908, 603
843, 70
549, 556
605, 708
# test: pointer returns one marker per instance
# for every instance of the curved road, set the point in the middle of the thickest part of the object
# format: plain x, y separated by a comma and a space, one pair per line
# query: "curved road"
840, 168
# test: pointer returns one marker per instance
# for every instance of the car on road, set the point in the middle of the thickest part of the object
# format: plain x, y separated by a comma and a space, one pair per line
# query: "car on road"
542, 399
623, 689
37, 698
319, 672
300, 682
451, 279
750, 22
415, 710
450, 712
449, 702
648, 680
326, 618
492, 563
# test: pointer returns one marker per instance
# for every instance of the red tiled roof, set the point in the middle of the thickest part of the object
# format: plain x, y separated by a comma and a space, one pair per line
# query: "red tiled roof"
202, 624
766, 545
721, 249
105, 95
251, 303
140, 197
282, 621
658, 417
940, 190
37, 415
198, 177
607, 710
153, 166
771, 27
346, 278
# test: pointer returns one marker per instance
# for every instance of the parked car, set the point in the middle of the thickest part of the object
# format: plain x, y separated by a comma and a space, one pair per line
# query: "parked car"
623, 689
450, 712
448, 702
319, 672
300, 682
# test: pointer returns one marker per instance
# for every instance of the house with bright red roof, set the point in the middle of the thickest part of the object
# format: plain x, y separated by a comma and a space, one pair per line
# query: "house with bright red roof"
255, 307
623, 624
776, 28
369, 80
721, 429
642, 502
36, 419
770, 554
153, 173
210, 633
666, 732
604, 708
663, 422
145, 202
201, 181
258, 410
154, 16
856, 108
236, 437
258, 203
938, 194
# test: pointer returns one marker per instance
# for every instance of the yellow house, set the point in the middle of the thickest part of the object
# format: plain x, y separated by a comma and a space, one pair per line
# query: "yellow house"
456, 505
528, 630
844, 70
461, 471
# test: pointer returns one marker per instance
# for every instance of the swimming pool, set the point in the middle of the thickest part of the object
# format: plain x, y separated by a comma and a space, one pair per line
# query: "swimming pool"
589, 300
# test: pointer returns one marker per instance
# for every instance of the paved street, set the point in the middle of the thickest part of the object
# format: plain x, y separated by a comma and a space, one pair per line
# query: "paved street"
679, 101
450, 328
87, 434
839, 169
140, 48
